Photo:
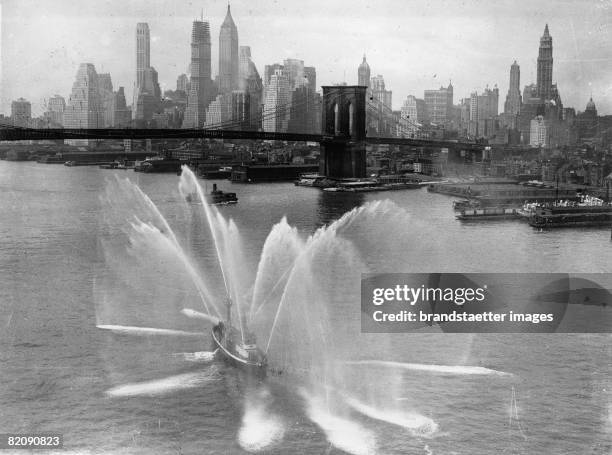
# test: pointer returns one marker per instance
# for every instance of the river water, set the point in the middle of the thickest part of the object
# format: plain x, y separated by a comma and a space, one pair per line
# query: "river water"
113, 393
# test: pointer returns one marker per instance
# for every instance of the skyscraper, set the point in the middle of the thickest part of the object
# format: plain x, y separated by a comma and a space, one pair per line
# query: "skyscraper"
200, 91
276, 107
363, 73
84, 108
483, 111
55, 110
377, 84
310, 74
513, 98
143, 51
147, 94
228, 55
182, 83
545, 66
122, 114
243, 61
439, 104
21, 112
241, 110
294, 70
107, 99
250, 83
412, 117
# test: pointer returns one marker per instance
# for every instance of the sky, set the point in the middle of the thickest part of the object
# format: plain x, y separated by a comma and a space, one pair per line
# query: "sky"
415, 44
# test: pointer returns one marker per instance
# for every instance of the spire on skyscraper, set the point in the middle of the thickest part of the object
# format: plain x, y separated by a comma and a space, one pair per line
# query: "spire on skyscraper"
363, 73
228, 55
229, 21
545, 66
513, 99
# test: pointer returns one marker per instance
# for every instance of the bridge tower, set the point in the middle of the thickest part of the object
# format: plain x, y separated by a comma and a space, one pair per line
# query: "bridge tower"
344, 130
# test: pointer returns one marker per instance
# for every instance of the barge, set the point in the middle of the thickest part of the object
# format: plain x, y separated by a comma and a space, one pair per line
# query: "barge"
488, 214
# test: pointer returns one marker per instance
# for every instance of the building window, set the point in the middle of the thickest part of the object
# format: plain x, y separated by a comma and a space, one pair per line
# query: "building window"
336, 119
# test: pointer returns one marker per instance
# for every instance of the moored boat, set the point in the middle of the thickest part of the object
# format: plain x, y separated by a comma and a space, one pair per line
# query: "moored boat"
488, 214
590, 211
465, 204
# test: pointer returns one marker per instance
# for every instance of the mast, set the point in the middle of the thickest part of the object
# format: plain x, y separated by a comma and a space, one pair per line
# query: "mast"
229, 312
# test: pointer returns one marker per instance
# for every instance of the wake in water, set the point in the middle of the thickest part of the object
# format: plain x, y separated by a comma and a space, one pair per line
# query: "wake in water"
260, 427
345, 434
418, 424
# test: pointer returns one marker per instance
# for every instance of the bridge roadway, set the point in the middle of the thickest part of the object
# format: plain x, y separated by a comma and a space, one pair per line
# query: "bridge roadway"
29, 134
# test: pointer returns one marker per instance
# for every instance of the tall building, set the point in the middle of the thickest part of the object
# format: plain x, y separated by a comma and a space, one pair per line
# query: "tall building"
244, 61
147, 94
269, 71
513, 98
276, 105
310, 75
305, 111
241, 110
294, 69
439, 104
363, 73
122, 115
412, 117
414, 109
251, 84
107, 99
21, 112
182, 83
84, 108
483, 112
377, 86
228, 55
143, 51
545, 66
531, 107
539, 132
200, 90
218, 111
379, 113
587, 122
55, 110
151, 83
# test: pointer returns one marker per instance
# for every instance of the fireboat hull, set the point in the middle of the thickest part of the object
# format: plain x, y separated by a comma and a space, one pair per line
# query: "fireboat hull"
229, 355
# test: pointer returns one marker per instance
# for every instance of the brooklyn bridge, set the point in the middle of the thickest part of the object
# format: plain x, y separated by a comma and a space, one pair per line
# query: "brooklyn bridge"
343, 137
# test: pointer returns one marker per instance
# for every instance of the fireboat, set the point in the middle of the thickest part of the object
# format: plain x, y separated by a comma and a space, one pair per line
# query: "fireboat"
238, 348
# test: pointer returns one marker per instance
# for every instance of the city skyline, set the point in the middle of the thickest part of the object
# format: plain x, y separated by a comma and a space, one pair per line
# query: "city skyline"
580, 30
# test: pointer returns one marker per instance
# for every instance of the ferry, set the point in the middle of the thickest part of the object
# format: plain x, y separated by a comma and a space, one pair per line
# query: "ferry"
219, 197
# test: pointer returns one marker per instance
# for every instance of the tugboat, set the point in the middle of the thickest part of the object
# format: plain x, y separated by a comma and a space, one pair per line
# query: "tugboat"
219, 197
237, 349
